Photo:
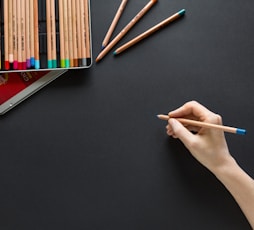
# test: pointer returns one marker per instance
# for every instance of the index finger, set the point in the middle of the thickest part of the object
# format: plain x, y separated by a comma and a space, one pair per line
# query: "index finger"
191, 109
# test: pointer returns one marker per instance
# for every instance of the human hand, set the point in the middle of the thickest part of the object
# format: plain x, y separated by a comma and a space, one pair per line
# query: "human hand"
208, 146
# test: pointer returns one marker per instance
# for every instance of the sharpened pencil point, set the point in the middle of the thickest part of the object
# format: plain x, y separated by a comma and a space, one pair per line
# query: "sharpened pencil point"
115, 53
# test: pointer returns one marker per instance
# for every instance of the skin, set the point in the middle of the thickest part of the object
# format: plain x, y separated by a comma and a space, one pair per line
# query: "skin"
210, 148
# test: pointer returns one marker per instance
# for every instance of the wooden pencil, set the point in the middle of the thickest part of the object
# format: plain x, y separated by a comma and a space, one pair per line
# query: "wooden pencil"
125, 30
205, 125
74, 31
79, 41
15, 35
36, 36
6, 35
87, 25
23, 34
49, 34
10, 32
19, 38
28, 34
66, 37
114, 23
53, 33
70, 33
83, 32
31, 26
61, 32
149, 32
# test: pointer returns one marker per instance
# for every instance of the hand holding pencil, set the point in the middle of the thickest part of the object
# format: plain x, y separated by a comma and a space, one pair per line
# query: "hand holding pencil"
208, 145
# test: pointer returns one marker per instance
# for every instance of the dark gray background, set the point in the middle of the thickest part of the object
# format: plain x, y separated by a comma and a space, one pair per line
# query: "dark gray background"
87, 151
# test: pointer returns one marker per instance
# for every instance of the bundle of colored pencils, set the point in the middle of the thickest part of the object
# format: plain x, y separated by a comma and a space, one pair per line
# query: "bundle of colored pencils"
67, 20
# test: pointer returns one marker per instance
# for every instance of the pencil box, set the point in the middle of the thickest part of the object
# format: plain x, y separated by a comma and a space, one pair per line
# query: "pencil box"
45, 35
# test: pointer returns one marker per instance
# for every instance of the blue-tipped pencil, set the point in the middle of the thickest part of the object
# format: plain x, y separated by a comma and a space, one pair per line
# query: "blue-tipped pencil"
149, 32
205, 125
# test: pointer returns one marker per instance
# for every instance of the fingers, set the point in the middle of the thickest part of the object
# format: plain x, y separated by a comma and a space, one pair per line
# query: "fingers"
177, 130
196, 111
191, 109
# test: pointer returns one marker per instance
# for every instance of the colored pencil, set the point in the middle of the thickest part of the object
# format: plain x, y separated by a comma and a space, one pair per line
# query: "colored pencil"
6, 35
87, 25
79, 41
19, 39
114, 23
149, 32
36, 36
70, 33
205, 125
23, 35
28, 34
83, 32
126, 29
61, 31
66, 37
53, 33
74, 31
10, 32
15, 35
31, 25
49, 33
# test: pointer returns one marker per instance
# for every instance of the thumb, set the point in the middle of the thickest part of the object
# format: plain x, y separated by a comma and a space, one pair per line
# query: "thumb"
180, 131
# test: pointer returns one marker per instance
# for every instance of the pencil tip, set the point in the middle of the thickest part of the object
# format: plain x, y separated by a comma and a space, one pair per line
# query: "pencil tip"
102, 47
115, 53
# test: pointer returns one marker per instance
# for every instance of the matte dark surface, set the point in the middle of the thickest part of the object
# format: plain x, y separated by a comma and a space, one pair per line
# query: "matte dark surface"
87, 151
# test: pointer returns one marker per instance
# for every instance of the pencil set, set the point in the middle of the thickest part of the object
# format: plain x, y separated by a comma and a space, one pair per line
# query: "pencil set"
44, 35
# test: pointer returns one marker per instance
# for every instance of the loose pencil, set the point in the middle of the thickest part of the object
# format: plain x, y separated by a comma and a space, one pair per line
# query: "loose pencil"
36, 36
149, 32
205, 125
114, 23
6, 35
126, 29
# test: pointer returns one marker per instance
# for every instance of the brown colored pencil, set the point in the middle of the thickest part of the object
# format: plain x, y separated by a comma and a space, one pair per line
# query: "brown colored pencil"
126, 29
114, 23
